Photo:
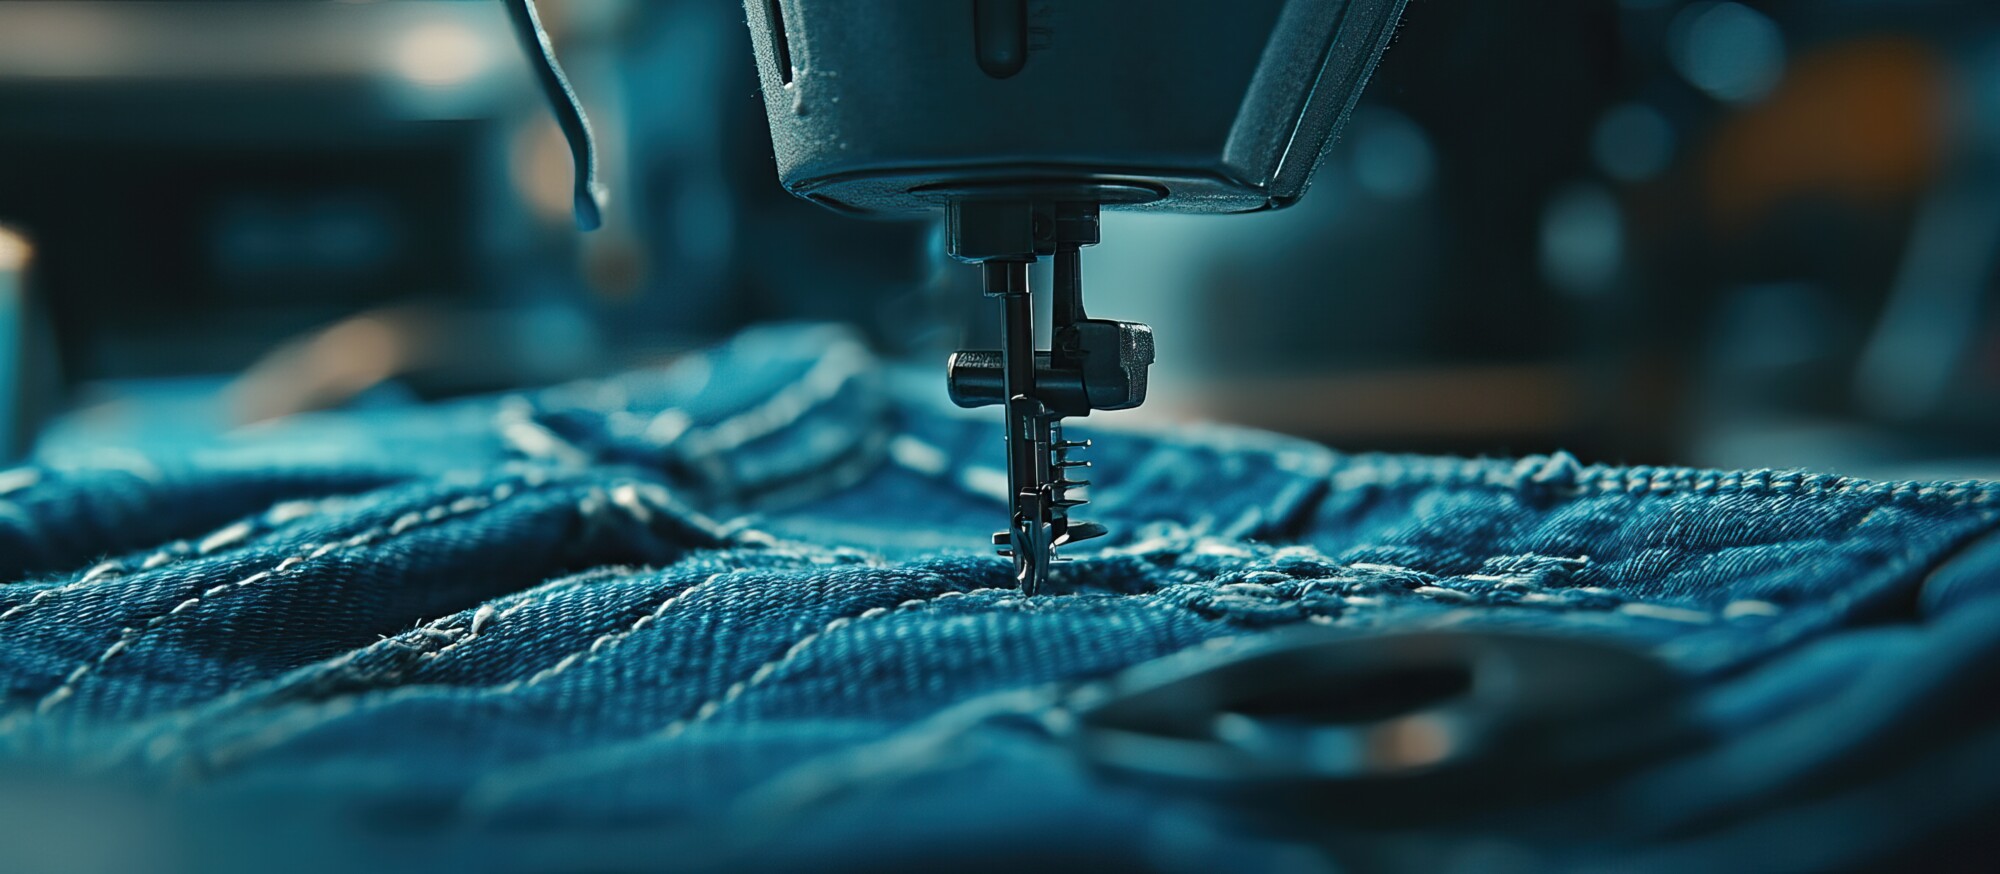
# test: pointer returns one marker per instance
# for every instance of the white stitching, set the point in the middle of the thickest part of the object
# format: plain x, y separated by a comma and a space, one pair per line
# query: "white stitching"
917, 456
228, 536
437, 630
626, 497
840, 363
44, 595
1560, 472
765, 671
1750, 607
838, 476
1662, 611
606, 640
324, 712
278, 514
515, 421
458, 636
485, 616
1441, 592
133, 634
1527, 590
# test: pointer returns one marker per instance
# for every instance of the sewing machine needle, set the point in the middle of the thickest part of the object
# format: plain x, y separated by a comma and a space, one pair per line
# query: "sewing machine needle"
1031, 530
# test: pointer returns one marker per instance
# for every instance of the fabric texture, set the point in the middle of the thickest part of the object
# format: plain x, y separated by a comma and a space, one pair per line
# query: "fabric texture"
736, 613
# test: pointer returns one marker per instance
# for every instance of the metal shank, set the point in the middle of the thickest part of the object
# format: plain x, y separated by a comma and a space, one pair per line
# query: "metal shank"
1092, 364
1027, 425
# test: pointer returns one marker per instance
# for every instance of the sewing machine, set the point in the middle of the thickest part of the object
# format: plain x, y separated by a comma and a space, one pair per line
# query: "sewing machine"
1020, 120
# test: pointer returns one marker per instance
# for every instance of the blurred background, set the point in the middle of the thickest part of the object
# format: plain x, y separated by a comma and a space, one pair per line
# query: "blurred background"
1715, 233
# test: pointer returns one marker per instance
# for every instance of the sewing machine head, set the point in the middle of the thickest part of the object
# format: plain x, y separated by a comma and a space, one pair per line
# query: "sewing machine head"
1020, 120
883, 107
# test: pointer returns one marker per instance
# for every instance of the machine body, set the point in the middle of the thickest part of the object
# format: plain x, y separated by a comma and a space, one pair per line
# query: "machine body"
887, 107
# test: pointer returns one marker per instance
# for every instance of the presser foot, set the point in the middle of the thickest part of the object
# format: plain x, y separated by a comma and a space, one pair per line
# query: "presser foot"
1041, 516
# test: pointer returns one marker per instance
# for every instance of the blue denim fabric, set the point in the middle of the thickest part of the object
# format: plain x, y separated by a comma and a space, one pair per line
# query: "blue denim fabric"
735, 613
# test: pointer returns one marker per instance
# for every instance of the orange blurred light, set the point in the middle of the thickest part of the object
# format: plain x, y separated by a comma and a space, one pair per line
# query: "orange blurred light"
1867, 122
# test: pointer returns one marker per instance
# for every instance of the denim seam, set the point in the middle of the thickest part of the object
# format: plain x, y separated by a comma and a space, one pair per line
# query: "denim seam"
770, 668
1528, 593
481, 619
485, 617
173, 553
327, 711
402, 524
318, 712
837, 366
607, 640
1319, 605
842, 473
920, 457
441, 629
1430, 588
640, 500
518, 428
841, 364
343, 705
1562, 474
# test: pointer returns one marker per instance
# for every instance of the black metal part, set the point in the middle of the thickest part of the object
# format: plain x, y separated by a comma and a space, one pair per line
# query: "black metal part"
1383, 727
982, 230
1105, 369
1031, 527
1196, 106
1000, 36
1094, 364
589, 194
